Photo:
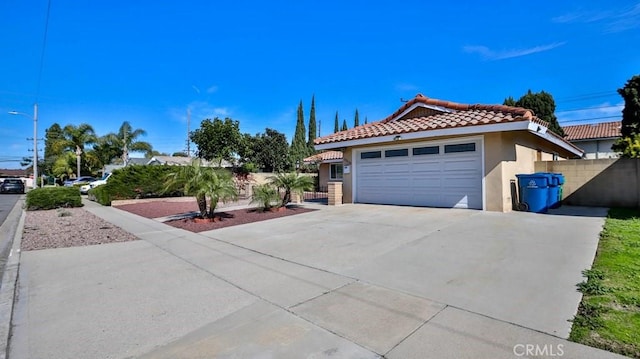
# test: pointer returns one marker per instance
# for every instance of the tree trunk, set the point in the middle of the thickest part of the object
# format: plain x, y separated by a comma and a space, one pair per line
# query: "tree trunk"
287, 197
202, 205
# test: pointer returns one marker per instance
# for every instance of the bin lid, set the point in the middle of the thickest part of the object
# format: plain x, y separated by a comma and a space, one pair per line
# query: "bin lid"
535, 180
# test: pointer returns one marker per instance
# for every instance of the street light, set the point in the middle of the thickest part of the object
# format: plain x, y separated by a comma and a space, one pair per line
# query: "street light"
35, 140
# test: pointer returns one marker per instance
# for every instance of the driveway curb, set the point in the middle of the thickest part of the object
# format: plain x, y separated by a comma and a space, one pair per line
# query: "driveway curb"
9, 280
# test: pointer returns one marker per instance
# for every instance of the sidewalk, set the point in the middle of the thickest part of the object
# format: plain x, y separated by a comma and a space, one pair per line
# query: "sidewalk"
177, 294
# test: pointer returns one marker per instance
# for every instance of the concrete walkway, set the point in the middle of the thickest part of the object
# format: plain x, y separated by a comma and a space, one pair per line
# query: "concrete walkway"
330, 283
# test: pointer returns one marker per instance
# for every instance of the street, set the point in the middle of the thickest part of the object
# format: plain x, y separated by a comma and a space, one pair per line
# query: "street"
8, 226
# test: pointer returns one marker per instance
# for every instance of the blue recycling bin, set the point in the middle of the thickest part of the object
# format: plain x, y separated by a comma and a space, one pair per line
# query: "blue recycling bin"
534, 191
555, 188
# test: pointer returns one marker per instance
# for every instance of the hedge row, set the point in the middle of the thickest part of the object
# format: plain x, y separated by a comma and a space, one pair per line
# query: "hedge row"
53, 197
134, 182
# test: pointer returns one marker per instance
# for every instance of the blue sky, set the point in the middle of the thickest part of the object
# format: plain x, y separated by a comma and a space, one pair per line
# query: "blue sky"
147, 62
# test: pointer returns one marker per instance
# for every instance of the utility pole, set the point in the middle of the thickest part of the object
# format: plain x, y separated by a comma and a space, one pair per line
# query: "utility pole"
35, 145
188, 141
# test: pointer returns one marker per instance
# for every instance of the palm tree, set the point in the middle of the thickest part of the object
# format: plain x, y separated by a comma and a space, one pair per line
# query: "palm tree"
218, 185
291, 182
202, 182
124, 141
265, 195
76, 138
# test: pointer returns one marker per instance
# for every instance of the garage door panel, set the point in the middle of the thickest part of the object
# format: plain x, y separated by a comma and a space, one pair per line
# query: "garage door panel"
461, 164
397, 169
437, 180
431, 166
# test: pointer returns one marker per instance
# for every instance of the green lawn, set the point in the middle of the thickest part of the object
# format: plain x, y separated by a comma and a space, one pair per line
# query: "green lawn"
609, 315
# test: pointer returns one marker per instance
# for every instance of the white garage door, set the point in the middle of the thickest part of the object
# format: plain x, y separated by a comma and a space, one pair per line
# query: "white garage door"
447, 174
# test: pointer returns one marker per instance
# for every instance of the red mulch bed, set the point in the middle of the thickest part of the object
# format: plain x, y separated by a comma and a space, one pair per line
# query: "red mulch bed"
234, 218
160, 208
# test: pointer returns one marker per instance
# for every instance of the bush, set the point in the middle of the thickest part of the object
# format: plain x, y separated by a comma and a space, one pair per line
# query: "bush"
140, 182
53, 197
266, 196
100, 194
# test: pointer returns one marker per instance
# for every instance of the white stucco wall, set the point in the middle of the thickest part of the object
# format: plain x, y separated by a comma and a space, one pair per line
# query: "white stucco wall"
597, 149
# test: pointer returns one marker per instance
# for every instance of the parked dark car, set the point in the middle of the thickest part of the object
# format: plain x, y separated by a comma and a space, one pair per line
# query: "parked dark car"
81, 179
12, 185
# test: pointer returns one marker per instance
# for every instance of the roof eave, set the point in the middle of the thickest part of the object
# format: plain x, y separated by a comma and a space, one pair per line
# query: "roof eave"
529, 125
452, 131
594, 139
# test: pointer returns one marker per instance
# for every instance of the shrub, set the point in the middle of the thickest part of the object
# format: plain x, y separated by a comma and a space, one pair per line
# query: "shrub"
266, 196
100, 194
140, 182
53, 197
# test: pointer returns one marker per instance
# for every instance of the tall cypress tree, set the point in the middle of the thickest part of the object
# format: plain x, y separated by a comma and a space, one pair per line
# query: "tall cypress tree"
356, 120
312, 125
299, 143
336, 126
365, 120
344, 126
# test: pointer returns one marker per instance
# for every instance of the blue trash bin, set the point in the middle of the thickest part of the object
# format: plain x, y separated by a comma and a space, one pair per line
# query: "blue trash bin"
553, 201
534, 191
555, 188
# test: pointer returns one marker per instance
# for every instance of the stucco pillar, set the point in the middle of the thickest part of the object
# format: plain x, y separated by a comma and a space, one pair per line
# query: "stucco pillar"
335, 193
295, 198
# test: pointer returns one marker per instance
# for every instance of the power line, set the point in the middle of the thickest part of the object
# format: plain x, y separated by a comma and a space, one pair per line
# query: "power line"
590, 119
587, 95
578, 99
44, 46
589, 108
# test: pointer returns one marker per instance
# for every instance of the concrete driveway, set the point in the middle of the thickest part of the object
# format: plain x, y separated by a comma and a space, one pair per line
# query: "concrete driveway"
517, 267
357, 281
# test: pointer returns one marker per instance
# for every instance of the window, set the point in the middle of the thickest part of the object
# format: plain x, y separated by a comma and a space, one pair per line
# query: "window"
431, 150
396, 153
463, 147
371, 154
335, 171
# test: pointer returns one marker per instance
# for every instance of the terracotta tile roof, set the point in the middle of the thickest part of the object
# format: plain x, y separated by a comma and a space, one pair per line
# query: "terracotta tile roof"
446, 115
592, 131
324, 156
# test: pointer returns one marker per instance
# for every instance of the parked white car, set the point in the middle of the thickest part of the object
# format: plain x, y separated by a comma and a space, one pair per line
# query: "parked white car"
85, 189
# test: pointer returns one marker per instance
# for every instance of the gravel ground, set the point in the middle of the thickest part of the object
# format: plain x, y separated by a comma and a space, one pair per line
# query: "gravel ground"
68, 227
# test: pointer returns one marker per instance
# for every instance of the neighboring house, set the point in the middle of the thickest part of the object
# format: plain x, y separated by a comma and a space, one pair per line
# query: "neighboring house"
16, 173
443, 154
329, 166
183, 161
595, 139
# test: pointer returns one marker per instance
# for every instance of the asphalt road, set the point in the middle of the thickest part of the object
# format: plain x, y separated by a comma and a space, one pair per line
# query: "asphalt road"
8, 229
7, 201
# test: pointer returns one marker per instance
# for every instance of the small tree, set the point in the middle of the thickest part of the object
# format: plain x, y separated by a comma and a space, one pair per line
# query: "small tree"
629, 144
202, 182
356, 120
271, 151
217, 139
336, 125
266, 196
344, 125
291, 183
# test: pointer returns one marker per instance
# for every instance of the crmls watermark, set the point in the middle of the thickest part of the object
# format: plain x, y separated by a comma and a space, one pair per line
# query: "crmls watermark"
537, 350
